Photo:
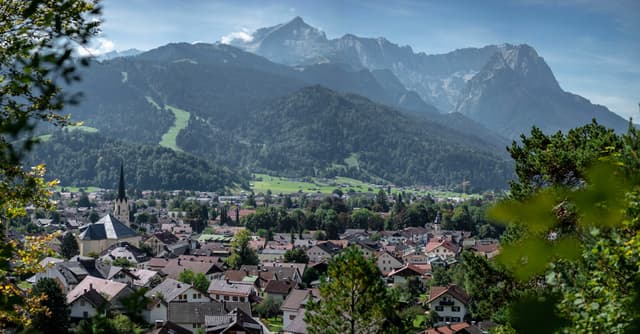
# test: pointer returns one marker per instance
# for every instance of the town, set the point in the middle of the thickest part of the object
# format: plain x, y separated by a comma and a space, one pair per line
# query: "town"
204, 263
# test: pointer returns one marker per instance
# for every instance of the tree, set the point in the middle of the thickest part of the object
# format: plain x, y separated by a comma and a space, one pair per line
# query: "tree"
134, 304
122, 262
199, 281
381, 204
575, 206
69, 247
268, 308
94, 216
38, 38
296, 255
354, 299
56, 319
242, 253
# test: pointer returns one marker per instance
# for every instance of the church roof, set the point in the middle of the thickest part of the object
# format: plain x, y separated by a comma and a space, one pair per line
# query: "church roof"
108, 227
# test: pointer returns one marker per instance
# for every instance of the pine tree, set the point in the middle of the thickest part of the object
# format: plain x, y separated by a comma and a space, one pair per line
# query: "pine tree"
69, 247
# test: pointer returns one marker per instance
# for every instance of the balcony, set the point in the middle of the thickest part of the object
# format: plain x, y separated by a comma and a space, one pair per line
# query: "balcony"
446, 303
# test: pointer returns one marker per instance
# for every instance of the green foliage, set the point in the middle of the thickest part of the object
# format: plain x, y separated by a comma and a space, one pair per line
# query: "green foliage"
242, 254
347, 306
69, 246
134, 304
268, 308
122, 262
83, 159
575, 216
56, 319
119, 324
38, 38
199, 281
296, 255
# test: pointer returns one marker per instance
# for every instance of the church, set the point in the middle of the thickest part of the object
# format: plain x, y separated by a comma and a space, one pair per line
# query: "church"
111, 229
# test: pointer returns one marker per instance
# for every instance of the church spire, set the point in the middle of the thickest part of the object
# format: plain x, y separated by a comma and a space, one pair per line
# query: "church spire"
121, 193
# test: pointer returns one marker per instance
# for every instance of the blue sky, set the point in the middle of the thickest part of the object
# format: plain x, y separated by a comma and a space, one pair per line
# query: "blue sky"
592, 46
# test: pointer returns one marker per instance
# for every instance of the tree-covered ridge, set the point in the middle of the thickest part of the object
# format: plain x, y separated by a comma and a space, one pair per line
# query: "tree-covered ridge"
316, 129
85, 159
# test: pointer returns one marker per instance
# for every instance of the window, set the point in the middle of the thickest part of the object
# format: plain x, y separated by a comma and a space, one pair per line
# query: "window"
194, 296
455, 319
226, 297
455, 308
439, 308
85, 314
447, 319
235, 298
292, 316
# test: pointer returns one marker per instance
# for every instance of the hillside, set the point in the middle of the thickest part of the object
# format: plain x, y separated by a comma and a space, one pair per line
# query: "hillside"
318, 129
84, 159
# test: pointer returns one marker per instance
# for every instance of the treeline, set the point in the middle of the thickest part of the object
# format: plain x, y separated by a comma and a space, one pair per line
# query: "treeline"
83, 159
333, 215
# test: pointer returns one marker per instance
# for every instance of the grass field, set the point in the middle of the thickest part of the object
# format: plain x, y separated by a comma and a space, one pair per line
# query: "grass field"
277, 185
181, 119
264, 182
77, 189
89, 129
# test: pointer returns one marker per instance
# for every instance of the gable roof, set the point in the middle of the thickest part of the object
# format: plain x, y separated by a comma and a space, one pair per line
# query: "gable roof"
94, 298
279, 287
224, 287
108, 227
452, 290
234, 318
166, 237
446, 243
297, 297
329, 247
193, 313
109, 289
175, 266
169, 289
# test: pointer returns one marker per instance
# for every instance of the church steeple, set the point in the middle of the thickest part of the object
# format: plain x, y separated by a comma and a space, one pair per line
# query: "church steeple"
121, 205
121, 193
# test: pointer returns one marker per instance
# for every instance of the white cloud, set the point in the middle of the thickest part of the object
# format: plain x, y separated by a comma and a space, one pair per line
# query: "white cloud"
96, 47
243, 35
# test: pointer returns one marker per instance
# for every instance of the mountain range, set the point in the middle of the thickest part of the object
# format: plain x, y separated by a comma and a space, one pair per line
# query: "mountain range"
507, 88
292, 102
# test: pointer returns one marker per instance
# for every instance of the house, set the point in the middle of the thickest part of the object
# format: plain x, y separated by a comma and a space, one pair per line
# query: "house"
449, 302
409, 271
236, 321
277, 271
174, 267
87, 304
441, 248
110, 290
159, 241
278, 290
145, 278
170, 291
191, 316
293, 309
271, 254
99, 236
124, 250
368, 248
323, 251
225, 290
486, 248
387, 262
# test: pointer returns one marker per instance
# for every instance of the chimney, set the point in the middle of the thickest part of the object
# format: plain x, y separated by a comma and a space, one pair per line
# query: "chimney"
178, 261
90, 286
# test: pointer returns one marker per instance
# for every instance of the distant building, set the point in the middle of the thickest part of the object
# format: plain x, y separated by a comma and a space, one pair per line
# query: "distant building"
121, 205
108, 231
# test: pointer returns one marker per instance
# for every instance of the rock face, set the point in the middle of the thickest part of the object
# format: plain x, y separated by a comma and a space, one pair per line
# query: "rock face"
508, 88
